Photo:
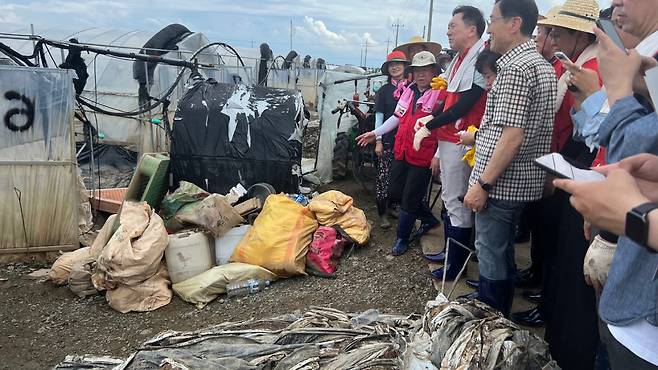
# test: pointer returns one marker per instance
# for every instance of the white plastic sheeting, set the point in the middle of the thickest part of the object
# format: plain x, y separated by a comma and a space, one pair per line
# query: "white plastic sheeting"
38, 179
111, 80
328, 96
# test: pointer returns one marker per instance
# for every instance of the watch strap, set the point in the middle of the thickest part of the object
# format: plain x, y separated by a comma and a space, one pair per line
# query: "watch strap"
637, 224
485, 185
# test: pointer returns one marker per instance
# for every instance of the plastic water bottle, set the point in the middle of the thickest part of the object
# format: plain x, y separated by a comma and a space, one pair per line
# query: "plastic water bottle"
246, 287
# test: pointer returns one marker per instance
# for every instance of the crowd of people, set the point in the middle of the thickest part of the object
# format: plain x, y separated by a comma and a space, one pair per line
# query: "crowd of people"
561, 83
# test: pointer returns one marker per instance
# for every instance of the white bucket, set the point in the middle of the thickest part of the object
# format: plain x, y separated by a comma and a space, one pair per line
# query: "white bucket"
188, 254
225, 245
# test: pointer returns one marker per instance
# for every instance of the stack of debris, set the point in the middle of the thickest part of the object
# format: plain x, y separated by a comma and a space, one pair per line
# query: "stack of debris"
472, 335
451, 335
206, 245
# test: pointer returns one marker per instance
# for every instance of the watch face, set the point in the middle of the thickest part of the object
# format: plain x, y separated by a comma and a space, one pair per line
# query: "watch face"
636, 227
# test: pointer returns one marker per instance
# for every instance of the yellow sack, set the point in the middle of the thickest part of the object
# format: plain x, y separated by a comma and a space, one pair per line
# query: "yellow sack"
279, 238
203, 288
335, 208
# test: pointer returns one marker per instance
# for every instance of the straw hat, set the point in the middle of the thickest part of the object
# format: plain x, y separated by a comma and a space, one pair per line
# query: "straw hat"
394, 56
579, 15
430, 46
551, 13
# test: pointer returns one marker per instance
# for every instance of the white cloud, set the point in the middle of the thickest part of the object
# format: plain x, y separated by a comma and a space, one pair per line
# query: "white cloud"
320, 29
8, 14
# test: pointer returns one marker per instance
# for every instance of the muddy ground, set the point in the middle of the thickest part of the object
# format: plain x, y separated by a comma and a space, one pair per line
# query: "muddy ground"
41, 323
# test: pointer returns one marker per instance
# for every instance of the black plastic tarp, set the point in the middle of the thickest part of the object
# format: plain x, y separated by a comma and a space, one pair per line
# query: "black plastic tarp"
224, 134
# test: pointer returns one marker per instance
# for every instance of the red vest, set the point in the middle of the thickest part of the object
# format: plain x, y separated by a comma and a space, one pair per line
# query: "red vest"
404, 141
472, 118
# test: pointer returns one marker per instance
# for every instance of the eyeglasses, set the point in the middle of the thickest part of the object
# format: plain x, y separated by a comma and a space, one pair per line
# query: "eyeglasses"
491, 20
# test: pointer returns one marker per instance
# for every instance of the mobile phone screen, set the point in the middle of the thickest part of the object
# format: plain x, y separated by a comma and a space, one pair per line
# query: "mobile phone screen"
557, 165
609, 28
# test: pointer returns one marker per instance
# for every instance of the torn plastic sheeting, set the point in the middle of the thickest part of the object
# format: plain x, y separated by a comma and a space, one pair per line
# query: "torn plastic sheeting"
470, 334
320, 338
224, 134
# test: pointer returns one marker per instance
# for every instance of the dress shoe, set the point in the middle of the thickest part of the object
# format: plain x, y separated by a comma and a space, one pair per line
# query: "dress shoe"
473, 283
531, 317
534, 297
526, 278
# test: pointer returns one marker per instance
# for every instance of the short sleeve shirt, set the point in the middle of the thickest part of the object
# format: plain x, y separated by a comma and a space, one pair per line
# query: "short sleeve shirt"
523, 95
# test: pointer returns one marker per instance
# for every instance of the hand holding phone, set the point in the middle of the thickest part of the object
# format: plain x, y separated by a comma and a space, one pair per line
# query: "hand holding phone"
565, 59
556, 164
609, 28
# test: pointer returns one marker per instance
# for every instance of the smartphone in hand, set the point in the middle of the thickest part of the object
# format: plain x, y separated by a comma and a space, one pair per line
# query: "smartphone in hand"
609, 29
556, 164
564, 58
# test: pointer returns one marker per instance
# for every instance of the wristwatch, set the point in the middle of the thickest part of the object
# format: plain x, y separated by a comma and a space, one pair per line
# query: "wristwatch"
485, 185
637, 223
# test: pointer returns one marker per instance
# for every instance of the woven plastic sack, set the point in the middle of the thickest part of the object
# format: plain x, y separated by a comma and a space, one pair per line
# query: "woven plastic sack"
185, 194
279, 238
325, 250
80, 280
335, 208
61, 269
205, 287
148, 295
134, 252
213, 214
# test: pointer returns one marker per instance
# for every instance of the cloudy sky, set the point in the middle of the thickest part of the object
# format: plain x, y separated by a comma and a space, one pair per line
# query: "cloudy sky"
336, 30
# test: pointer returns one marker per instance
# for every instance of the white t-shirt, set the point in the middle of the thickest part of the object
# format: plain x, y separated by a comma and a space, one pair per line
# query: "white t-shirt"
640, 337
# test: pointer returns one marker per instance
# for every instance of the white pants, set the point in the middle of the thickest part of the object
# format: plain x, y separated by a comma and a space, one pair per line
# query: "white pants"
454, 180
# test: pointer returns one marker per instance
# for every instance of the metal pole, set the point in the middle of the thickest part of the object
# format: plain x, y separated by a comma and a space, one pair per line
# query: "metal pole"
397, 26
429, 26
365, 56
291, 34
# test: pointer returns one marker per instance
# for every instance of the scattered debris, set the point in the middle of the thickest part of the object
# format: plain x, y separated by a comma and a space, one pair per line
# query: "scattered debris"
38, 274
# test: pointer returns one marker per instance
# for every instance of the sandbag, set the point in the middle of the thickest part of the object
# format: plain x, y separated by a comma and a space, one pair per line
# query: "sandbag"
148, 295
61, 268
279, 238
80, 280
325, 250
335, 208
134, 252
185, 194
104, 235
203, 288
213, 214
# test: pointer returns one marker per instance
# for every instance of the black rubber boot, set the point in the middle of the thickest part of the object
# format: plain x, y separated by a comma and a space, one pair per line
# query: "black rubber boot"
427, 222
441, 256
457, 255
498, 294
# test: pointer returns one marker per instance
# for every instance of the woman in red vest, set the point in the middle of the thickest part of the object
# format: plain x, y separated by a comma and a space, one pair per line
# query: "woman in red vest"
411, 172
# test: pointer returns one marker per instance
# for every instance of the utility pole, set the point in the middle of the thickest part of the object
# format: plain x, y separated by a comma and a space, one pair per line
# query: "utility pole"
397, 26
424, 29
291, 34
361, 59
429, 26
388, 42
365, 56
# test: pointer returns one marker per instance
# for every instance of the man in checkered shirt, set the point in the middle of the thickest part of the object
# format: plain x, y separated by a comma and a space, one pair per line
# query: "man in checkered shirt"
517, 128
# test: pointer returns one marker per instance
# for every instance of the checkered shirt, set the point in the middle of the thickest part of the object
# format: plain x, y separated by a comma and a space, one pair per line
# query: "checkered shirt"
523, 95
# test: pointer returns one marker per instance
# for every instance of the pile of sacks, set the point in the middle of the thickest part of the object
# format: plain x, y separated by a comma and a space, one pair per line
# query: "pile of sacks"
126, 259
126, 262
277, 245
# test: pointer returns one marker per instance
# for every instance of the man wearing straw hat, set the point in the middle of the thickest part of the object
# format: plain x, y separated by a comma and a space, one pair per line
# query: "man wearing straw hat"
516, 129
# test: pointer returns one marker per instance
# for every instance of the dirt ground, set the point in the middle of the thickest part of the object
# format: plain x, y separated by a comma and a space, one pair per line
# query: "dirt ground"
41, 323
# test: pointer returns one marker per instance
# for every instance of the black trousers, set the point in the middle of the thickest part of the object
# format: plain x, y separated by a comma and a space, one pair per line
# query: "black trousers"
569, 304
408, 185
